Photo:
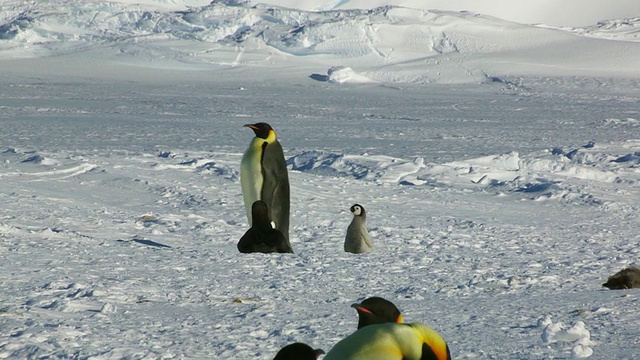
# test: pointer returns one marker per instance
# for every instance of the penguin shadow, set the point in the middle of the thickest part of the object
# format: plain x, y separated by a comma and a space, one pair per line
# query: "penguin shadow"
262, 237
147, 242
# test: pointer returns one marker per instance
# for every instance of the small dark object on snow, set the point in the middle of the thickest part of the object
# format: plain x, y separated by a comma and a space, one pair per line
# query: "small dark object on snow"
624, 279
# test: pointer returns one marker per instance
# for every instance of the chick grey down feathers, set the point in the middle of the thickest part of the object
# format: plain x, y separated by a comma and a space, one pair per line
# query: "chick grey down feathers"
357, 240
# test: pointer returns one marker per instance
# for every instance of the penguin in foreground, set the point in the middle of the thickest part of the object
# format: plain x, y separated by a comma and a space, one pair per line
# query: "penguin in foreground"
298, 351
261, 237
357, 240
391, 342
376, 310
264, 176
624, 279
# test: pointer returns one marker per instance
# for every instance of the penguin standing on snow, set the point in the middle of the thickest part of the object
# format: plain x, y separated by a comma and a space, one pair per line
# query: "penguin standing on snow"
391, 341
264, 176
298, 351
376, 310
262, 237
357, 240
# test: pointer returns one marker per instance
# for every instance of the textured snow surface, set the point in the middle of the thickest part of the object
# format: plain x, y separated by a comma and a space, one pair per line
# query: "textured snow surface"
388, 43
499, 164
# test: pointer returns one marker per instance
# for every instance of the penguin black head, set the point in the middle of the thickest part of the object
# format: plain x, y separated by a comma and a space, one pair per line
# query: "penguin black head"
376, 310
357, 210
298, 351
261, 129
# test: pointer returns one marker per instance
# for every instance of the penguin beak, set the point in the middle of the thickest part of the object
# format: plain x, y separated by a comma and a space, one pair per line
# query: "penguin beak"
359, 307
251, 126
318, 352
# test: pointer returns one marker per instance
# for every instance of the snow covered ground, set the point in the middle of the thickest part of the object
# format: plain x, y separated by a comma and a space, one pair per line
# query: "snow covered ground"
499, 164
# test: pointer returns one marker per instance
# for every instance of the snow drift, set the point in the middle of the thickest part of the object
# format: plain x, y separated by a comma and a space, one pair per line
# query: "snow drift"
386, 44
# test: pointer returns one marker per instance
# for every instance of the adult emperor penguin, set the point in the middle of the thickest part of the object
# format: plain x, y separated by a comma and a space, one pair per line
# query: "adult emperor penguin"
391, 342
264, 176
298, 351
357, 240
261, 237
376, 310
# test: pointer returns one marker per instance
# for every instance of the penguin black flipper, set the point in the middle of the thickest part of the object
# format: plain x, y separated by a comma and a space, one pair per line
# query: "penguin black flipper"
275, 187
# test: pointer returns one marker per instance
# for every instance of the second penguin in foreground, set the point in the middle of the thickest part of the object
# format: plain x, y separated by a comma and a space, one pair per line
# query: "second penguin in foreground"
391, 342
357, 240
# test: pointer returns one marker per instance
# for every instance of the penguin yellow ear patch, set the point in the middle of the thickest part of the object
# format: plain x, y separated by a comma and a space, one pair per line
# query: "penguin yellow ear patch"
271, 137
400, 319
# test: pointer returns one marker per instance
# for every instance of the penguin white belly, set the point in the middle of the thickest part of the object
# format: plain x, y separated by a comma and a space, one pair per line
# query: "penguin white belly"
251, 178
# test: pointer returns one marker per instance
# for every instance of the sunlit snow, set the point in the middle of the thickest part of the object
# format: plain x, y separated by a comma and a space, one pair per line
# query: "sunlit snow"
497, 155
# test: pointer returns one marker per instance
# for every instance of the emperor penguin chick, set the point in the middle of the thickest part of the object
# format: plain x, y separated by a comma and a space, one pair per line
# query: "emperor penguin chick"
298, 351
261, 237
357, 240
264, 176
